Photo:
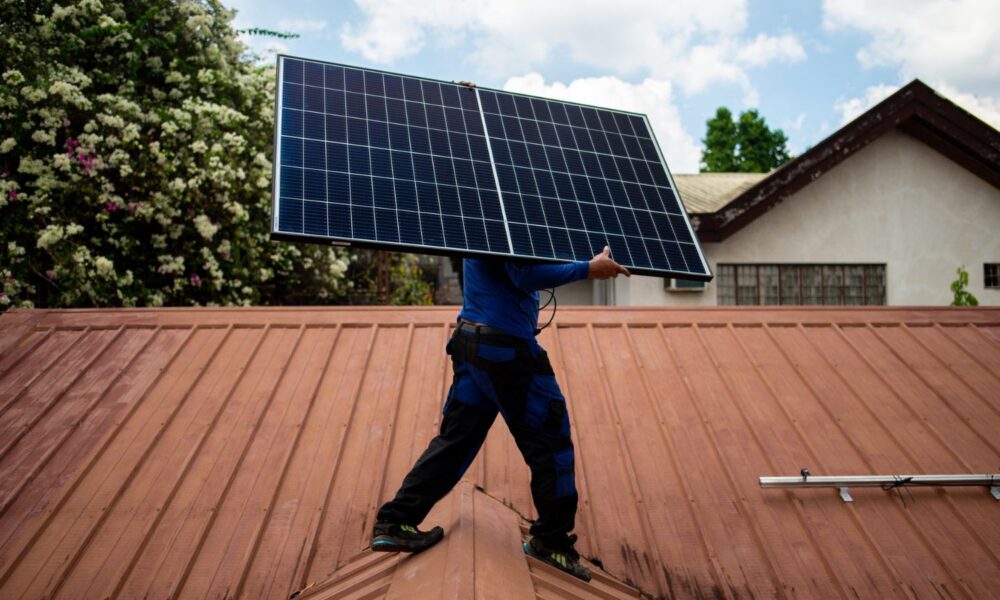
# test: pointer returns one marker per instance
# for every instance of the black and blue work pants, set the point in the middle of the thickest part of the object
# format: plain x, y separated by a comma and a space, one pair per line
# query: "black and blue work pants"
495, 372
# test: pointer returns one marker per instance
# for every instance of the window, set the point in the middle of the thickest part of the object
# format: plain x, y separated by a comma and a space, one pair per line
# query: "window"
991, 275
684, 285
802, 284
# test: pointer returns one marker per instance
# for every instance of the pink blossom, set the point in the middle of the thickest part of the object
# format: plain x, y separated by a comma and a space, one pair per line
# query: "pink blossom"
70, 146
11, 194
110, 207
195, 280
51, 275
87, 162
65, 122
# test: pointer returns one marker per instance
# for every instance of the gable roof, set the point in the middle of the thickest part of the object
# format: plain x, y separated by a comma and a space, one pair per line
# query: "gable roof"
708, 192
915, 109
244, 452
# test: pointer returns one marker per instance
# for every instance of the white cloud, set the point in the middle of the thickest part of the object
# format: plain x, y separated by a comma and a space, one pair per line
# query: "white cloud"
851, 108
652, 97
694, 43
764, 49
952, 45
799, 122
984, 107
301, 25
954, 41
395, 29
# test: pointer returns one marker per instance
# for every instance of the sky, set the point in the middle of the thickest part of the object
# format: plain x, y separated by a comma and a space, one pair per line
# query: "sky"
808, 67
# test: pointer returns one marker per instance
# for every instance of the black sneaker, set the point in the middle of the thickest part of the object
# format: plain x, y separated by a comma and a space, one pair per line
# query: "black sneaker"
564, 558
390, 537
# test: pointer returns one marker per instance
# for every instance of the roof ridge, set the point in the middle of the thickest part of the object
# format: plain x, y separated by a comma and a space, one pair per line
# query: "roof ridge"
916, 109
376, 574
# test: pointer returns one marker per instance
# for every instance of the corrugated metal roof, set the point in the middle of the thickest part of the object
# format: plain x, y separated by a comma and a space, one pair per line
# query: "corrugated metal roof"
708, 192
243, 452
478, 558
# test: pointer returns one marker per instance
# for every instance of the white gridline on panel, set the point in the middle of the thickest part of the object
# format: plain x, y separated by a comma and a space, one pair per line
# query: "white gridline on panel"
426, 104
561, 211
544, 216
568, 230
487, 137
690, 228
443, 105
466, 187
630, 259
496, 178
409, 129
563, 105
591, 132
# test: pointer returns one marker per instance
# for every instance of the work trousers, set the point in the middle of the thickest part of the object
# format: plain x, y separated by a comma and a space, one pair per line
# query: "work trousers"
496, 372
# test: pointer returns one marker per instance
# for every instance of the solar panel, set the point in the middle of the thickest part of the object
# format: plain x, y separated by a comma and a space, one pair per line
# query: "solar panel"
376, 159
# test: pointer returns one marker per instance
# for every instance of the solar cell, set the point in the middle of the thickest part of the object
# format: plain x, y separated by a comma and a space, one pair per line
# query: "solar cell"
379, 159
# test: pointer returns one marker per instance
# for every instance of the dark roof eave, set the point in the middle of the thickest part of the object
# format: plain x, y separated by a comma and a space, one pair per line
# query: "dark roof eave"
915, 109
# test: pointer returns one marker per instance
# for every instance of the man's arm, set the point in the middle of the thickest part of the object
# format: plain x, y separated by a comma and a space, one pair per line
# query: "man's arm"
533, 277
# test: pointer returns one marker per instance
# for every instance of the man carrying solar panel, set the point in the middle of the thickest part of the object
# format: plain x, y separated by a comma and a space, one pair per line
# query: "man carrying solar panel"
499, 367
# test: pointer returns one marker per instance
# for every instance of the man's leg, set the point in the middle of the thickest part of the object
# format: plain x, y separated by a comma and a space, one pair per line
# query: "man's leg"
538, 420
543, 437
468, 415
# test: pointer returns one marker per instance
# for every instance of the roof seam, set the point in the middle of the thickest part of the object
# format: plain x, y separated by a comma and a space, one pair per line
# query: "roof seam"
192, 457
889, 433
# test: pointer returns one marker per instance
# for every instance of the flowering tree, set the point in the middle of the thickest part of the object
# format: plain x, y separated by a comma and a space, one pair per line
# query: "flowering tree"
135, 166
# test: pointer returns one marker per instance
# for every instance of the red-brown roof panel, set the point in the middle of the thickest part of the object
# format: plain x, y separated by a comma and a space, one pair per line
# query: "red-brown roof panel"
244, 452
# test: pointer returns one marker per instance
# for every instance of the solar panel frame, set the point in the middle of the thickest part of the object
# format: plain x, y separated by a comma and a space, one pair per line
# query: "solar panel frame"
528, 104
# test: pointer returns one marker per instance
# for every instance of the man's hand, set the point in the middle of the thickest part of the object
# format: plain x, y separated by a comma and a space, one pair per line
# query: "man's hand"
602, 267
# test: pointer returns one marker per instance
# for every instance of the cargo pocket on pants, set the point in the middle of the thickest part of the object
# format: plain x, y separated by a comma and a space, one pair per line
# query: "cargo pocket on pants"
546, 410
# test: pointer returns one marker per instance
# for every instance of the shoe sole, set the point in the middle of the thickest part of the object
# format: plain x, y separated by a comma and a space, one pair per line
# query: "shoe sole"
381, 544
531, 552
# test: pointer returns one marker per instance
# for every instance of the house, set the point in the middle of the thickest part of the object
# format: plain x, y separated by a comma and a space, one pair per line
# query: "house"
243, 452
882, 212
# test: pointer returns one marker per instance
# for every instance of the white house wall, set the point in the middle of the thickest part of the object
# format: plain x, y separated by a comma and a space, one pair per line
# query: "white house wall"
897, 201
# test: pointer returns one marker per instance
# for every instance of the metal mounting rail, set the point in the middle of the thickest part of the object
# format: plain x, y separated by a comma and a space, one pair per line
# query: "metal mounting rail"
806, 479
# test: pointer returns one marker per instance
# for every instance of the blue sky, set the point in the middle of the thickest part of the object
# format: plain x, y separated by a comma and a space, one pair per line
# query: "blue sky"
808, 67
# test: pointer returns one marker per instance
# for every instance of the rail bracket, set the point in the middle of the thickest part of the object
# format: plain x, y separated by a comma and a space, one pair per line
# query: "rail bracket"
845, 496
995, 490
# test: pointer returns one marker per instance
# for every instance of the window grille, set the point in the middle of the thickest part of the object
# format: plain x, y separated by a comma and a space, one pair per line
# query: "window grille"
795, 284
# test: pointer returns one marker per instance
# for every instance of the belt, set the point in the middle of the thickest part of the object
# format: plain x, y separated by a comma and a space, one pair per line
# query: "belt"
481, 328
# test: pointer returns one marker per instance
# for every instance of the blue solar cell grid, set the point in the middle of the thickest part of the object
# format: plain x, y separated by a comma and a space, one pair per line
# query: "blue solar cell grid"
371, 156
576, 177
386, 159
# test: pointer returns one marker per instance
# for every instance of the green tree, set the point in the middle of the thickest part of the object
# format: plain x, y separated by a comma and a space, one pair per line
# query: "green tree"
721, 139
135, 166
963, 297
747, 145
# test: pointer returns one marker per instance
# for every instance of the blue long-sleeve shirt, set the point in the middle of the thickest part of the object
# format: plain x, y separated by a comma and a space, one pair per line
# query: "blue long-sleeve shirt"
504, 294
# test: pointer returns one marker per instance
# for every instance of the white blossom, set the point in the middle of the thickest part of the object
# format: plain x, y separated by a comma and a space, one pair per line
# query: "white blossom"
205, 226
105, 267
44, 137
13, 77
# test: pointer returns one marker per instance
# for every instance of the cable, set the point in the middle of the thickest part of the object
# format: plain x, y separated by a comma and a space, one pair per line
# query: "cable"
899, 482
555, 306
